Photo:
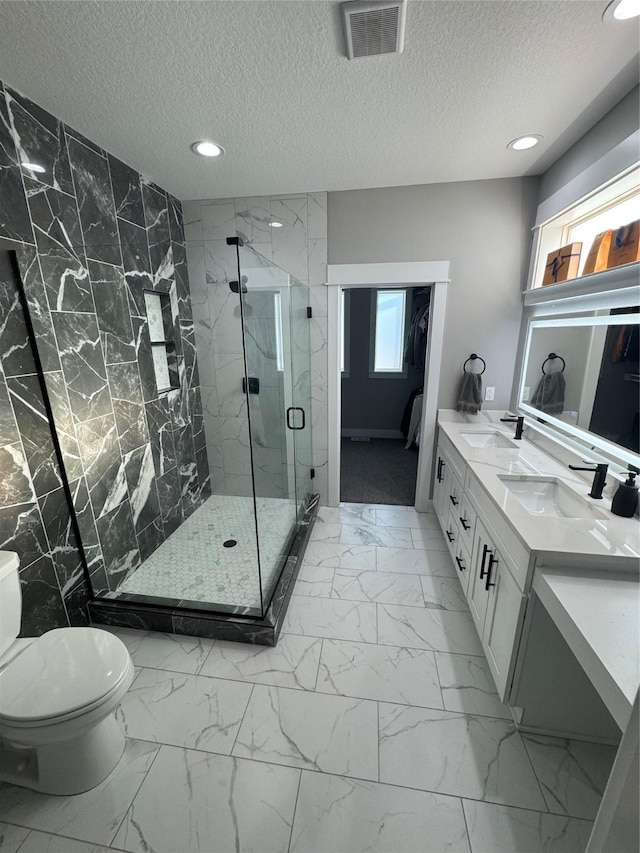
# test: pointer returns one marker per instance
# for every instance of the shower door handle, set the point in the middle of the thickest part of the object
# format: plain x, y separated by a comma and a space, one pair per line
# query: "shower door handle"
289, 412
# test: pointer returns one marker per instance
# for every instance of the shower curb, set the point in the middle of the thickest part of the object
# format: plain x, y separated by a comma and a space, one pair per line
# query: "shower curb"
218, 626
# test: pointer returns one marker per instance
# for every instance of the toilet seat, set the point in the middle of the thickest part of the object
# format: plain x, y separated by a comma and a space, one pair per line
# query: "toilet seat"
63, 674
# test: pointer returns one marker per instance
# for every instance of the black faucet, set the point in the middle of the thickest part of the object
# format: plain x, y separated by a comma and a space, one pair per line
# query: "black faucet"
519, 425
599, 478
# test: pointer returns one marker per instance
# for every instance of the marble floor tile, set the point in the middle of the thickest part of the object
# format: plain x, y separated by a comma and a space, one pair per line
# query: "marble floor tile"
192, 802
93, 816
431, 539
381, 587
437, 630
325, 531
415, 561
337, 556
443, 593
329, 617
385, 537
386, 673
292, 663
407, 517
572, 773
500, 829
11, 837
338, 814
184, 710
467, 686
163, 651
314, 731
348, 514
43, 842
476, 757
314, 580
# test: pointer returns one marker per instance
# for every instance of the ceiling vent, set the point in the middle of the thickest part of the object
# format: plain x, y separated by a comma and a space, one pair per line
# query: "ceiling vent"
374, 28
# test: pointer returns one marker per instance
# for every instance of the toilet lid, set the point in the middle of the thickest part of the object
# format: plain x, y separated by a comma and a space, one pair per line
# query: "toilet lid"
62, 671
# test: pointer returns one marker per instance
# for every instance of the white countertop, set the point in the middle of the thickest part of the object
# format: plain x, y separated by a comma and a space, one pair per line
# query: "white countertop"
613, 537
599, 617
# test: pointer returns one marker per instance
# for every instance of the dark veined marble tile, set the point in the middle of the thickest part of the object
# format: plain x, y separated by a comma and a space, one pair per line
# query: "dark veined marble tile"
178, 398
104, 470
176, 220
59, 240
16, 354
21, 531
119, 544
142, 619
197, 419
136, 264
144, 358
82, 364
150, 538
8, 429
63, 543
76, 602
95, 203
87, 526
40, 139
28, 405
128, 406
181, 276
64, 424
245, 631
39, 314
204, 476
15, 481
161, 436
127, 193
141, 480
157, 222
98, 579
187, 335
170, 501
42, 605
71, 132
14, 213
112, 310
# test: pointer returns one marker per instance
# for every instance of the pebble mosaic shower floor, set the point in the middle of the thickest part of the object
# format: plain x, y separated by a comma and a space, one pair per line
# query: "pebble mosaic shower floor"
193, 563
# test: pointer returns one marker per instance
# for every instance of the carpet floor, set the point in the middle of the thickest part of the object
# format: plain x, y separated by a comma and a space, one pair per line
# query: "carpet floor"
378, 471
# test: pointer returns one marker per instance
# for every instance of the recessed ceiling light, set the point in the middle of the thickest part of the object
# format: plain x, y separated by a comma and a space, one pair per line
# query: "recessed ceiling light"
621, 10
524, 142
275, 224
33, 167
205, 148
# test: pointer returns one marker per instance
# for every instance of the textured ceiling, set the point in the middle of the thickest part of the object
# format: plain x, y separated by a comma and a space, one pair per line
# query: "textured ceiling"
269, 81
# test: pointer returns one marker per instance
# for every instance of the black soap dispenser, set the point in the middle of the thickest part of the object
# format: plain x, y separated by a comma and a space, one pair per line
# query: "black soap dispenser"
625, 500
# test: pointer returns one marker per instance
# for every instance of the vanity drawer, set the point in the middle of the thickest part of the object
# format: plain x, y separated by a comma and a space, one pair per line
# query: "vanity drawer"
454, 495
462, 561
451, 532
466, 522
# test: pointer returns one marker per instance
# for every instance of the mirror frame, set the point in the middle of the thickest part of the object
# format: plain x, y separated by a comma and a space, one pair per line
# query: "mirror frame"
593, 440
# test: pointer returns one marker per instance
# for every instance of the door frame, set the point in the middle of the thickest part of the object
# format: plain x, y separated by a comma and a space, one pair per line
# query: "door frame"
434, 274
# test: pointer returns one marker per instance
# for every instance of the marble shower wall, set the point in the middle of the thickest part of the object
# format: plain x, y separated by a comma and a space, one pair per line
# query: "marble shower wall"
300, 248
91, 237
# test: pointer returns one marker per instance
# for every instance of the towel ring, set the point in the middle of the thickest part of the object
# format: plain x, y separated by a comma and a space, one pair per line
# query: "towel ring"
473, 357
551, 357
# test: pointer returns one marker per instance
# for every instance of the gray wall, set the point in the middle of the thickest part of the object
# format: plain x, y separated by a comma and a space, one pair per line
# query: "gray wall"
371, 404
482, 228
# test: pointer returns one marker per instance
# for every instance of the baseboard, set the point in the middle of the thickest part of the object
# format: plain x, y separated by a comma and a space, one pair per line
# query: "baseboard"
371, 433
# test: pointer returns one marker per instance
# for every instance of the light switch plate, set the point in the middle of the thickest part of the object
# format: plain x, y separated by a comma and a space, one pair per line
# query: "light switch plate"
490, 393
526, 392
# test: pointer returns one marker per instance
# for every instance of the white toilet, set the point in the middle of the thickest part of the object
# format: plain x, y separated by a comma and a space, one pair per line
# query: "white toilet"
58, 692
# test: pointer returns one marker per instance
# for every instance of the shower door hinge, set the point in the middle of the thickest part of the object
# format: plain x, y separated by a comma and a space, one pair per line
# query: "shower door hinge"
309, 312
313, 473
235, 241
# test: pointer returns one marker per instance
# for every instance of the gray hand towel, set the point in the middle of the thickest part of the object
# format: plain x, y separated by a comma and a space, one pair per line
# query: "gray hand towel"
470, 394
549, 395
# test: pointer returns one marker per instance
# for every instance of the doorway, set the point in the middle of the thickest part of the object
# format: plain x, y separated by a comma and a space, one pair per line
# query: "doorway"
383, 357
388, 276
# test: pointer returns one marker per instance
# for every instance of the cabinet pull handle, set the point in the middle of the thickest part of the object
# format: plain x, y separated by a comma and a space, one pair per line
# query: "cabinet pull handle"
461, 564
485, 550
450, 536
493, 561
440, 467
453, 500
465, 524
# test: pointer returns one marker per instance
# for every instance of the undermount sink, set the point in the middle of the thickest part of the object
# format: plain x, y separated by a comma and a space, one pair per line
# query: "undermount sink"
488, 439
549, 497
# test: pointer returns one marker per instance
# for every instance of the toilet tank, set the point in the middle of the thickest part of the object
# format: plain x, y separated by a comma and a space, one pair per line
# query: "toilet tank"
10, 599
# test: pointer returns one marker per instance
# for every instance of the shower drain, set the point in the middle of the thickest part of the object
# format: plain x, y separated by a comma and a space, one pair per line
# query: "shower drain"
230, 543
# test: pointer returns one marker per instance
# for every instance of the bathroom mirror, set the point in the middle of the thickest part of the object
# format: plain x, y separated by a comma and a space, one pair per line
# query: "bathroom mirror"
581, 374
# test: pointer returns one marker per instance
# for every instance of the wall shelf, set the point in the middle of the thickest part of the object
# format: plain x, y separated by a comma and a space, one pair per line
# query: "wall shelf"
619, 278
